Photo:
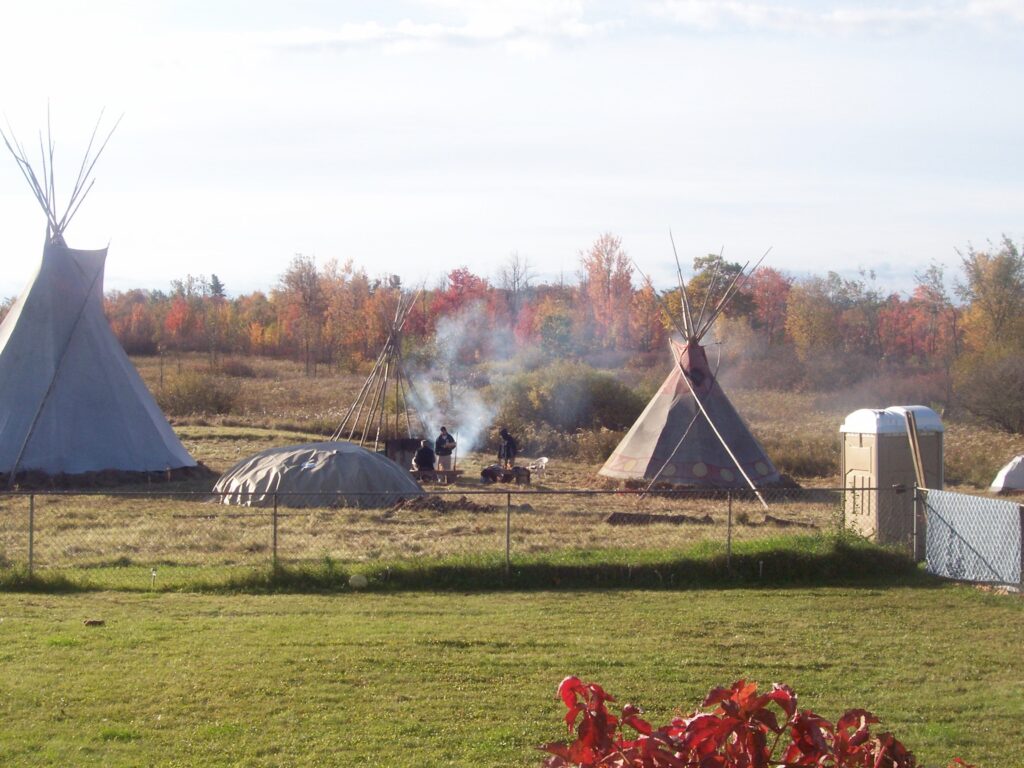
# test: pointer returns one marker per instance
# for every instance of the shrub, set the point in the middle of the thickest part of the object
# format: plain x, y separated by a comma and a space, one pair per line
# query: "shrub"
993, 390
238, 369
191, 393
744, 729
597, 445
803, 455
568, 397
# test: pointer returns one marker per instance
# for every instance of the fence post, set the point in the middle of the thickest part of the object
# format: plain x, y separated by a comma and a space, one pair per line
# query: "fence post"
31, 531
273, 556
918, 504
508, 533
843, 501
1020, 531
728, 536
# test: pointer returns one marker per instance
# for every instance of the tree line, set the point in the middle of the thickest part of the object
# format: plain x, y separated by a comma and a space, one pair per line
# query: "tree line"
820, 331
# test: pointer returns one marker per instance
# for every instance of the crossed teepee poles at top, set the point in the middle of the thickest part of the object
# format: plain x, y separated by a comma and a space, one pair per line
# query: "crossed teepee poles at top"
692, 327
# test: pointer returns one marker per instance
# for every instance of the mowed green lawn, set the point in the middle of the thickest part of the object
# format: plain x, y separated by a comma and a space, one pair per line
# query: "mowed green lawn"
423, 679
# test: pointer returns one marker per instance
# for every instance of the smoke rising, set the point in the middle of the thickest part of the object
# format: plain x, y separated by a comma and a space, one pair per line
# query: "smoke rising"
442, 394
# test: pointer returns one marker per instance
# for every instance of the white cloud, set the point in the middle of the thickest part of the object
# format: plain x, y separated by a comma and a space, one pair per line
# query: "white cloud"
528, 27
711, 15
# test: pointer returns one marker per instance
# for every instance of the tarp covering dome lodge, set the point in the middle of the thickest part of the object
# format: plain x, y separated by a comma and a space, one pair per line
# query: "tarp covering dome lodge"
317, 475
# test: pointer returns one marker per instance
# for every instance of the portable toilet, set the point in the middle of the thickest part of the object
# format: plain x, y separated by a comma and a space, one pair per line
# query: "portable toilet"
878, 471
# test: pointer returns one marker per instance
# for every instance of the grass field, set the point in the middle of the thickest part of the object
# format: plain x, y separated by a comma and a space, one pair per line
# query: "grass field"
422, 679
449, 659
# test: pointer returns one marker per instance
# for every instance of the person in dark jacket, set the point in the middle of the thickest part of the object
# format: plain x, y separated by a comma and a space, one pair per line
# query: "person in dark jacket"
424, 458
507, 450
443, 447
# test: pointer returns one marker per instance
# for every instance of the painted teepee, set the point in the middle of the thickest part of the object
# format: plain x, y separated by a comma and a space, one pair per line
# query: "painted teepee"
71, 401
690, 434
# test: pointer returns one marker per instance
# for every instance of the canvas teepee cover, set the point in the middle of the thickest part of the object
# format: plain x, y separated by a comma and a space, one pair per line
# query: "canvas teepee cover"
689, 433
70, 399
656, 444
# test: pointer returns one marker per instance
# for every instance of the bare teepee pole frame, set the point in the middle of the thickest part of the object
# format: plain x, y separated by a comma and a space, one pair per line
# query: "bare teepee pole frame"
367, 421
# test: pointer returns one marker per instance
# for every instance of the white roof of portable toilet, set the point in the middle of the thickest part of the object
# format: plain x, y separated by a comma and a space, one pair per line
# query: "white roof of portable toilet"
891, 420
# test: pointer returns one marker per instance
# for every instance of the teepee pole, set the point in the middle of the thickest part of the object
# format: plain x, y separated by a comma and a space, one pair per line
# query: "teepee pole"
710, 289
358, 402
375, 405
660, 301
732, 290
722, 441
687, 314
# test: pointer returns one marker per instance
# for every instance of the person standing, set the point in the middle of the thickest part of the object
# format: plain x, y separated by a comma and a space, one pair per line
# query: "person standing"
444, 446
507, 450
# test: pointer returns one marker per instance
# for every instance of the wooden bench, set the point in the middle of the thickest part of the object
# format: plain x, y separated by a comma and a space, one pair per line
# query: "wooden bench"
443, 476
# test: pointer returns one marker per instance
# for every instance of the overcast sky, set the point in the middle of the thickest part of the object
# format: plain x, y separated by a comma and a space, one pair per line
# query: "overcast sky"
416, 137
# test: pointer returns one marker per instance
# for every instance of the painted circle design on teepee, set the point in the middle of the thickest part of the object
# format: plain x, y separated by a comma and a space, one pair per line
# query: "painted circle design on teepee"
762, 468
628, 465
700, 469
670, 469
727, 475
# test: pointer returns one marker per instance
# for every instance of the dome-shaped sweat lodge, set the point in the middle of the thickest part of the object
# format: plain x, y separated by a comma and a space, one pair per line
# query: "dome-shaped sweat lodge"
328, 474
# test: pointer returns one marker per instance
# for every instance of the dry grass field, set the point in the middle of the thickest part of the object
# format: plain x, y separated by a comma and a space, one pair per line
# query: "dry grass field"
799, 430
129, 531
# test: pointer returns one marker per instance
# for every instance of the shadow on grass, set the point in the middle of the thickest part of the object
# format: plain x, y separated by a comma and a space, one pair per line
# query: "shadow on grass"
801, 561
785, 561
18, 579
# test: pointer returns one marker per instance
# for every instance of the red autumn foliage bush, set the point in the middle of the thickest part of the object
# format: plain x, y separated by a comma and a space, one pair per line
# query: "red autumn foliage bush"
746, 729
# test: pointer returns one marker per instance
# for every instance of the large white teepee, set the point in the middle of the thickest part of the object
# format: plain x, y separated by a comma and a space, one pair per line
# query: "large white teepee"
689, 433
71, 401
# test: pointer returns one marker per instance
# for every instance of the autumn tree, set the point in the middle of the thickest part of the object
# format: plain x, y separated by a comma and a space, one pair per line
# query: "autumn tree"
607, 284
811, 318
647, 328
258, 323
993, 288
133, 317
300, 293
989, 377
769, 293
936, 320
514, 278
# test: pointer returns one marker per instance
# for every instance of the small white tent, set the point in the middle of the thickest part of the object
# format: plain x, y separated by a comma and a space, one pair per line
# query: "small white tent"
71, 401
1010, 478
327, 474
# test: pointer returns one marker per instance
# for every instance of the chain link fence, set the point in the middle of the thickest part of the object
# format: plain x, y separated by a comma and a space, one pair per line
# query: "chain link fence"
140, 540
973, 538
